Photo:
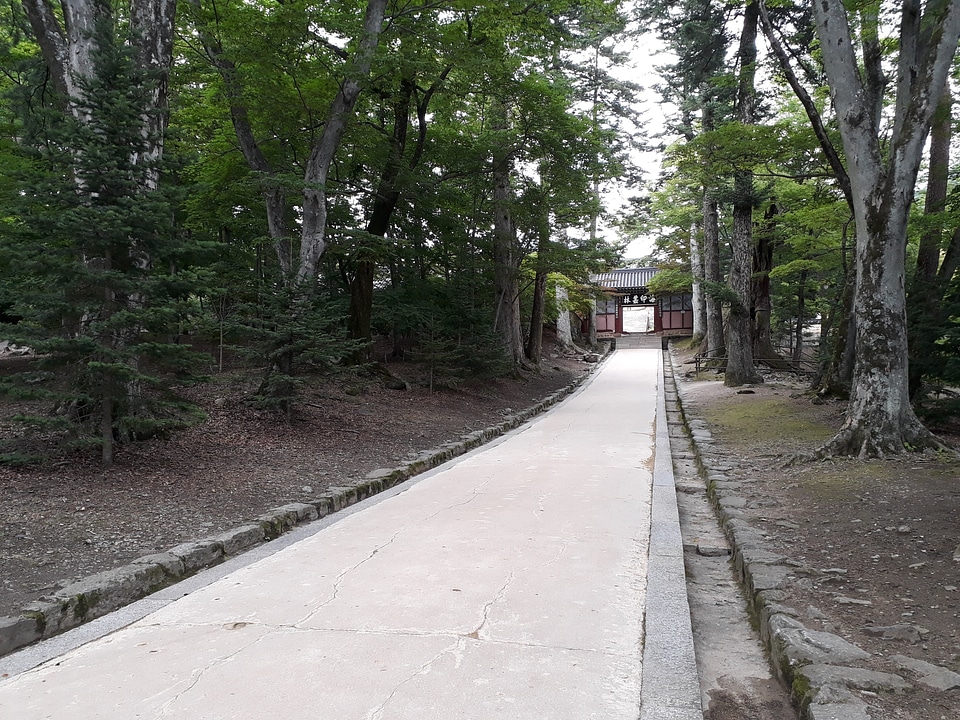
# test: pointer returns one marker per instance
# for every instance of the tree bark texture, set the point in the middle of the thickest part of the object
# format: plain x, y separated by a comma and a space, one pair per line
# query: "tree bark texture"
696, 270
711, 261
740, 367
534, 348
385, 201
880, 419
797, 353
763, 347
506, 253
564, 332
68, 49
739, 343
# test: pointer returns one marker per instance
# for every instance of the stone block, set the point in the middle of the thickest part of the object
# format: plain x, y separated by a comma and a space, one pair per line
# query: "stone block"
761, 577
853, 710
46, 616
381, 474
277, 521
172, 565
15, 632
731, 501
347, 495
99, 594
800, 646
198, 554
743, 534
238, 539
304, 512
853, 678
934, 676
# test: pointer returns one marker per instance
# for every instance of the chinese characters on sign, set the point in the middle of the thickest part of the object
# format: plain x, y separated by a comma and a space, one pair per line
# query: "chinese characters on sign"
638, 298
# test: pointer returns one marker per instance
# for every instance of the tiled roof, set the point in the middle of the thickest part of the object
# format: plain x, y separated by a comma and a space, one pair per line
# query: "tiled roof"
625, 278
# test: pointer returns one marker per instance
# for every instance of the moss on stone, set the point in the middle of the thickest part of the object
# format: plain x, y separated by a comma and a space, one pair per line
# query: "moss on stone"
39, 618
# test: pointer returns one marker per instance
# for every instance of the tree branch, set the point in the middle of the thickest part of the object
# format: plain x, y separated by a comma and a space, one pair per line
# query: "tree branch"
809, 106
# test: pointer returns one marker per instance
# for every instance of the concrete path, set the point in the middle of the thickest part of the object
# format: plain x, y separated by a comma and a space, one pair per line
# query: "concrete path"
511, 583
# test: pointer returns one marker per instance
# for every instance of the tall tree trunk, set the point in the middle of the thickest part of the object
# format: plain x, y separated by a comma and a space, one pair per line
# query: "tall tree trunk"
762, 304
740, 368
797, 354
739, 344
564, 332
69, 50
711, 261
696, 270
385, 200
506, 253
880, 419
534, 349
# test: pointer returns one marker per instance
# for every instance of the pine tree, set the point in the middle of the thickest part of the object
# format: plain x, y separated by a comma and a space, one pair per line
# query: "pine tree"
97, 264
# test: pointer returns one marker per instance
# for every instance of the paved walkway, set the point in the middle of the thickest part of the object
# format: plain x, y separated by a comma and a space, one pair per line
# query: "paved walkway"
511, 583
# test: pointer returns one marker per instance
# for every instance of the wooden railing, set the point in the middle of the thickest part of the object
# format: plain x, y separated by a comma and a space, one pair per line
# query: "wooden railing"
804, 366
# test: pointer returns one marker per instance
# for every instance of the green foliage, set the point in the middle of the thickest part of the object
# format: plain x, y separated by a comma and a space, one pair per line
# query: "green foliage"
937, 331
721, 292
443, 327
289, 335
439, 352
96, 266
670, 281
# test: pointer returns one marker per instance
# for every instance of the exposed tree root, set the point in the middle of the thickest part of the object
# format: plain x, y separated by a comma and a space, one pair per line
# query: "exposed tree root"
857, 441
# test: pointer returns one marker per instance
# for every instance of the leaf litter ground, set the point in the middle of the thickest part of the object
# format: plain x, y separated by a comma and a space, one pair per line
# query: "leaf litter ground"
70, 518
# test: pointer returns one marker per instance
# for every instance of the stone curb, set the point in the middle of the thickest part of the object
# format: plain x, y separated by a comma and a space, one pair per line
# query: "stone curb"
670, 688
104, 592
813, 665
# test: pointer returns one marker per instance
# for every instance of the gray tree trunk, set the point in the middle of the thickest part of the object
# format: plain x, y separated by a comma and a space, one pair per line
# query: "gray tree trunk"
68, 50
740, 367
506, 253
880, 419
711, 262
564, 333
696, 270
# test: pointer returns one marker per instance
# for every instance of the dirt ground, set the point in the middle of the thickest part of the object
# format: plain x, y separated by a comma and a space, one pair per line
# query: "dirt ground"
872, 543
70, 518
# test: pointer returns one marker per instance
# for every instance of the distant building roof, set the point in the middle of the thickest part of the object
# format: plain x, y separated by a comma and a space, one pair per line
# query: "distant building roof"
625, 278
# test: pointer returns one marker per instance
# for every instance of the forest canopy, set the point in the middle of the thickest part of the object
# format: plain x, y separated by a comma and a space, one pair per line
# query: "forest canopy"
345, 182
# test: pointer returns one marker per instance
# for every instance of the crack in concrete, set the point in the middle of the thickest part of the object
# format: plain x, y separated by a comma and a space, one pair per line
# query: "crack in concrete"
475, 635
476, 492
377, 712
197, 675
342, 576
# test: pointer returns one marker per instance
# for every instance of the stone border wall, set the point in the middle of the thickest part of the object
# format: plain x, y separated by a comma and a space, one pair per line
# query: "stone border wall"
104, 592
